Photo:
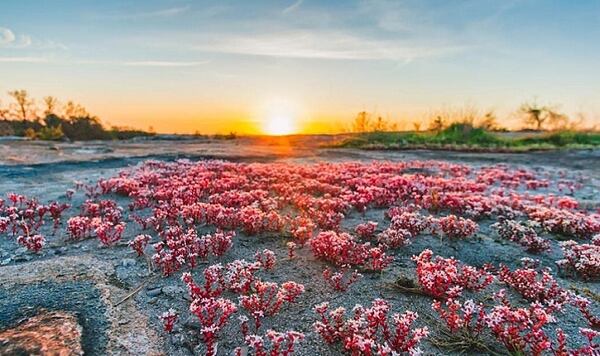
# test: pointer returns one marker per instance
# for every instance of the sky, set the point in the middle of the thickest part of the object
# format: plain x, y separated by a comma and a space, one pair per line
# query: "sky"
300, 65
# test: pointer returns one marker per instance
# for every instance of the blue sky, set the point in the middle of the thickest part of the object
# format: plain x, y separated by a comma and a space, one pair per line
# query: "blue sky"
187, 65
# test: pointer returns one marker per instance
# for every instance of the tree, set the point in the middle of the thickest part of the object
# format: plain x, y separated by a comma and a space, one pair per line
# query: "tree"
3, 112
380, 125
417, 126
437, 124
24, 104
73, 110
51, 105
538, 116
361, 122
489, 122
558, 120
533, 114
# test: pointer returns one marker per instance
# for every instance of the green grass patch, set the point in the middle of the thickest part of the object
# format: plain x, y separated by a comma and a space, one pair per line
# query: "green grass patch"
462, 136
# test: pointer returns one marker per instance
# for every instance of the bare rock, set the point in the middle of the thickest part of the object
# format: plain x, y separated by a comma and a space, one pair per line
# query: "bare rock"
48, 333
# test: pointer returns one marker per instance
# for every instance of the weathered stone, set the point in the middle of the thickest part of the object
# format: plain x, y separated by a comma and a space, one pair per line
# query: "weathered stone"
173, 291
154, 292
126, 262
48, 333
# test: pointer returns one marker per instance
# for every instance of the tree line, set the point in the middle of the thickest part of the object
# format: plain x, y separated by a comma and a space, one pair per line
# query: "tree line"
532, 115
55, 120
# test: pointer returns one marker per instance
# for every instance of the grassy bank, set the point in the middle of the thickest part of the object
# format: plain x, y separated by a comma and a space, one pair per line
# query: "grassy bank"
465, 137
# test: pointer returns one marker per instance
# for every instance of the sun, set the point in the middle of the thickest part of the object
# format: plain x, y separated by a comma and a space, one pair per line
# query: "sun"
279, 125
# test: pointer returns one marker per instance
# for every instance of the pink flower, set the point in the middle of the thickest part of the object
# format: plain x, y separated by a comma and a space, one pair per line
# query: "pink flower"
169, 318
266, 258
369, 330
445, 277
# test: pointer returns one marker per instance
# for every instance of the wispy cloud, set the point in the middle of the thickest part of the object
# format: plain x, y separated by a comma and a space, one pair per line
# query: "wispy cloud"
6, 36
63, 61
321, 45
9, 39
23, 60
144, 15
292, 7
162, 63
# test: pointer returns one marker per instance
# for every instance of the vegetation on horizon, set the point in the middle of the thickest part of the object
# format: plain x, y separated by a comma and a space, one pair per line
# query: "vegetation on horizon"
70, 121
468, 130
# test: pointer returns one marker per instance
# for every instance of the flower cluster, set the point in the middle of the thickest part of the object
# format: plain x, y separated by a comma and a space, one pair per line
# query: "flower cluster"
102, 218
468, 316
366, 230
408, 219
522, 233
266, 258
32, 242
392, 238
23, 217
565, 222
291, 246
342, 249
446, 277
213, 314
282, 344
370, 330
536, 286
139, 243
590, 349
456, 227
186, 247
583, 259
341, 281
583, 304
302, 229
258, 298
520, 329
268, 298
237, 276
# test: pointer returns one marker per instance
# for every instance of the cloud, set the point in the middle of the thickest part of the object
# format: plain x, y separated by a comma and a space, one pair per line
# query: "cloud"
23, 60
25, 40
292, 7
162, 63
321, 45
8, 39
168, 12
6, 36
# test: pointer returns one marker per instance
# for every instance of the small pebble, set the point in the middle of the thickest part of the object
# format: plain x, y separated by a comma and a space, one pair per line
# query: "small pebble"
127, 262
153, 292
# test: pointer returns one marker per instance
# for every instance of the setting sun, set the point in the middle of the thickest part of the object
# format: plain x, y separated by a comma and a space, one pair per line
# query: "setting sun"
279, 125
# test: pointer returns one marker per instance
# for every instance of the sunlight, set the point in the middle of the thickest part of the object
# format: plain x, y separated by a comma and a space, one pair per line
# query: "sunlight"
279, 125
279, 116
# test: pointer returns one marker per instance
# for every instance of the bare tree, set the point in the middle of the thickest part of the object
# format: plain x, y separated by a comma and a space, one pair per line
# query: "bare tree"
538, 116
51, 105
437, 124
24, 104
73, 109
417, 125
3, 112
380, 124
559, 121
533, 114
361, 122
489, 121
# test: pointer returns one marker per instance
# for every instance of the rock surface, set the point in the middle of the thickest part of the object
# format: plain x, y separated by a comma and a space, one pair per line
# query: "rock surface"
48, 333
